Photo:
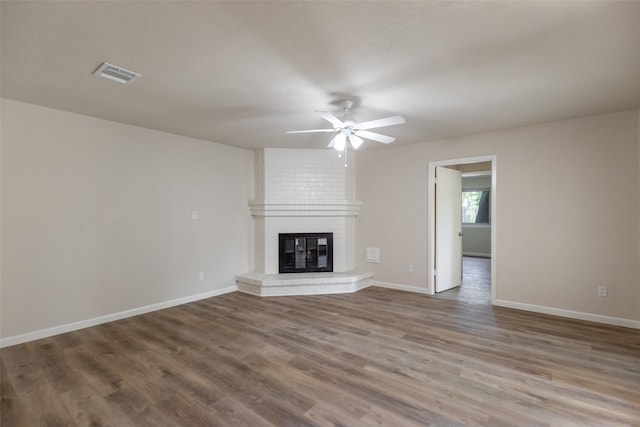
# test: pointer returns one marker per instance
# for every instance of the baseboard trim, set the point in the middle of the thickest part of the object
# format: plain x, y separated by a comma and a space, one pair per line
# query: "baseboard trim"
74, 326
579, 315
477, 254
399, 287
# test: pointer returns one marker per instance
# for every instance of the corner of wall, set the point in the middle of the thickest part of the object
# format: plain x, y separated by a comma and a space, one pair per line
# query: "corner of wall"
104, 212
638, 245
258, 174
1, 228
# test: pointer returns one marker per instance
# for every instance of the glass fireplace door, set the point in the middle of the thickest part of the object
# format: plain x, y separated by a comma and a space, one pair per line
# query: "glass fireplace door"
302, 253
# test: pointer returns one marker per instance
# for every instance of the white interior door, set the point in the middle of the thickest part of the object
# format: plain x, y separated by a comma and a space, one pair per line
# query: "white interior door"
448, 239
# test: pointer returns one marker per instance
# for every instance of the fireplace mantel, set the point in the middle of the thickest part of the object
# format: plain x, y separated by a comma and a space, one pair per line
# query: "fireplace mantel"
266, 208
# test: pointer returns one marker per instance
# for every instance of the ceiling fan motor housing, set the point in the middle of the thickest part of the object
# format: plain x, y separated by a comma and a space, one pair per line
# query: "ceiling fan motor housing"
346, 104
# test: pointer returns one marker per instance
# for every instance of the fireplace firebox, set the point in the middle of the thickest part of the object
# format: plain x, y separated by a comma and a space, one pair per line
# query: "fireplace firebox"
305, 252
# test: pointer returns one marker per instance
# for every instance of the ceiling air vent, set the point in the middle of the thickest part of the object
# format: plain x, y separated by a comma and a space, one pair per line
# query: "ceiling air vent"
117, 74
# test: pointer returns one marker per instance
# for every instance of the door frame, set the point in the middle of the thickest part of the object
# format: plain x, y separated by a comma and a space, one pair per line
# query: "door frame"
431, 217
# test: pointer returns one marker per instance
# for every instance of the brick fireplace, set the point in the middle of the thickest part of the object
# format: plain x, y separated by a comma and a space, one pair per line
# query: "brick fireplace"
303, 191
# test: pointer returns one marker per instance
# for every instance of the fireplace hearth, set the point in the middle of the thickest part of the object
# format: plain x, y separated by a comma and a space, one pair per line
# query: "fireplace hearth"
305, 252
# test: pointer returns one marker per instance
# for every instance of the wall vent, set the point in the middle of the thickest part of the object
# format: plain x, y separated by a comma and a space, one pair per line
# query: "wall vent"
115, 73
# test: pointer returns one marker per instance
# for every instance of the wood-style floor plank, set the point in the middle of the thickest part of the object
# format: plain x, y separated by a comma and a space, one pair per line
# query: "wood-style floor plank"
11, 413
377, 357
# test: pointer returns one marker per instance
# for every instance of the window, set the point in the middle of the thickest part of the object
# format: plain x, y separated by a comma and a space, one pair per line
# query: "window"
475, 207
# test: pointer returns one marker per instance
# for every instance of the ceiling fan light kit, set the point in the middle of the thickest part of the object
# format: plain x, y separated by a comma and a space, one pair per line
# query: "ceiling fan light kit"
349, 130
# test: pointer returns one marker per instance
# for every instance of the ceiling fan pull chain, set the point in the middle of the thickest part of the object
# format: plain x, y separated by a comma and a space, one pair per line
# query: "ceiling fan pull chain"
346, 150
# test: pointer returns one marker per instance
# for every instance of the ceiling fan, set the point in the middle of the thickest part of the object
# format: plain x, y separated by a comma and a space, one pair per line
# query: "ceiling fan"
353, 131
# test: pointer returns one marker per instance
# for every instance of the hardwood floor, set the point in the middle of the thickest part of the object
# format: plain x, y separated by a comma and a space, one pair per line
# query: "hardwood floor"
377, 357
476, 282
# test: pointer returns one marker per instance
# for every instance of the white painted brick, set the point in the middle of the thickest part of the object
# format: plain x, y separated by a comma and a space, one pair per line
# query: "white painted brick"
303, 174
300, 179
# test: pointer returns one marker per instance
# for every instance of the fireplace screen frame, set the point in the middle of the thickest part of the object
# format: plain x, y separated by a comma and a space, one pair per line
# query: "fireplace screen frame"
305, 252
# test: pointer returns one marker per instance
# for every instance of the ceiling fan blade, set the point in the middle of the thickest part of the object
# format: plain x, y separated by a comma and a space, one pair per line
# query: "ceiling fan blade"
375, 136
387, 121
310, 130
330, 118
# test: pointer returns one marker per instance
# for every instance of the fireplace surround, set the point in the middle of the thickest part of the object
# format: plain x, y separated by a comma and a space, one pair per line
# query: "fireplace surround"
307, 190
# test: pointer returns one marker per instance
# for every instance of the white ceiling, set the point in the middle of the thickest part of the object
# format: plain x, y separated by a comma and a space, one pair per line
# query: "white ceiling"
242, 73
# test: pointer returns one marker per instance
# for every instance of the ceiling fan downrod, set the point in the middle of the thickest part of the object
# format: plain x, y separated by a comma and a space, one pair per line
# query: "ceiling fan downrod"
346, 105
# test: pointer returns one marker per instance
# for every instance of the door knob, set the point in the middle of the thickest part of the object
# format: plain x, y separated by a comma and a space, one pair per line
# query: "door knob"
461, 234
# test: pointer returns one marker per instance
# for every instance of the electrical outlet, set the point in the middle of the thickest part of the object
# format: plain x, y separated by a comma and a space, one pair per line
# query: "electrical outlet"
602, 291
410, 268
194, 215
201, 275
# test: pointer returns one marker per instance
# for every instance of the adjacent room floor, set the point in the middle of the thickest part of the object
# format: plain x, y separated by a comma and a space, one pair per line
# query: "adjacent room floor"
476, 282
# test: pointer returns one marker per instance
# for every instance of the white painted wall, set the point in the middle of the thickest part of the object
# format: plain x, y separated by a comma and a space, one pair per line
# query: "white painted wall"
96, 217
476, 182
584, 172
476, 240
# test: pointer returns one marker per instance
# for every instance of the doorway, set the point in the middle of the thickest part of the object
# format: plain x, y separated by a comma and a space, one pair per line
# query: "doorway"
475, 288
432, 219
